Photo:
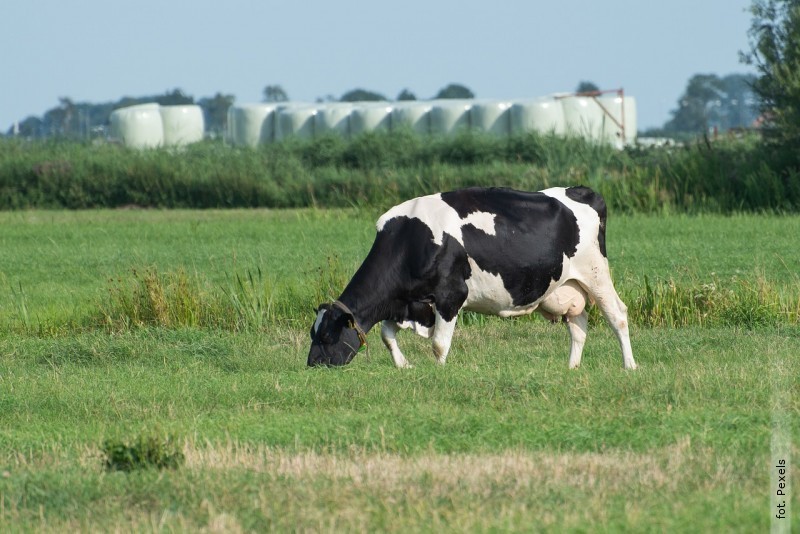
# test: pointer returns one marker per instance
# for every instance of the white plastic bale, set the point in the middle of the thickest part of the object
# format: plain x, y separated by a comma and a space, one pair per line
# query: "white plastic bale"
182, 124
412, 115
251, 124
584, 117
138, 126
295, 121
491, 116
543, 115
619, 115
333, 118
631, 120
450, 117
370, 117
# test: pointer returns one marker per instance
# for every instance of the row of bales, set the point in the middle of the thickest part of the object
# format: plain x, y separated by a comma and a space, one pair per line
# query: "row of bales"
152, 125
605, 118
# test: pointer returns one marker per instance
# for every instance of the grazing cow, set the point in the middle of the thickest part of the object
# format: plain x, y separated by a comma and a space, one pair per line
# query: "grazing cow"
491, 250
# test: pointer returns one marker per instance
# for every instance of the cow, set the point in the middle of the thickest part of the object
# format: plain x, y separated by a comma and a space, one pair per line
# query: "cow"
494, 251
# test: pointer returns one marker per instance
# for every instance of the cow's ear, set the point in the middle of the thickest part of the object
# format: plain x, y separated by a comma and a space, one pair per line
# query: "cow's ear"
324, 306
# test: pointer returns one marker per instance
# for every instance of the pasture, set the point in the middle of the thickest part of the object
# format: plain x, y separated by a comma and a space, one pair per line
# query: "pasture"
191, 328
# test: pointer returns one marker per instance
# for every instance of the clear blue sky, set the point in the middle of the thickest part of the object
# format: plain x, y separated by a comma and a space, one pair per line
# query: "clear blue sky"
101, 50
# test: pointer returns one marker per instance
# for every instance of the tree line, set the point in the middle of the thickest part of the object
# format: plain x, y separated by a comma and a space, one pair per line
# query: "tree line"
83, 120
709, 101
769, 99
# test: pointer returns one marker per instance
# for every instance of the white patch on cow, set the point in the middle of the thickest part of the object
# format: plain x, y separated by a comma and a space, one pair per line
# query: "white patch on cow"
481, 220
488, 293
587, 218
439, 216
320, 314
424, 331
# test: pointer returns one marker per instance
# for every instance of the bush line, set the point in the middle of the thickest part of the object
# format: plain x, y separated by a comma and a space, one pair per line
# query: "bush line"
381, 169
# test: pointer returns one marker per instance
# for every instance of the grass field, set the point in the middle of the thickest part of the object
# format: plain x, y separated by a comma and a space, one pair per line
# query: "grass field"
503, 438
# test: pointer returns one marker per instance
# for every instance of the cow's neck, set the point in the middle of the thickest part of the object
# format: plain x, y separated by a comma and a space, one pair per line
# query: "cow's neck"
370, 294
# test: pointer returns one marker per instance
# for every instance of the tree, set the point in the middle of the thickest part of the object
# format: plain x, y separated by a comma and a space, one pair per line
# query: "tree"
215, 110
713, 102
740, 107
275, 93
774, 52
175, 98
406, 95
455, 90
362, 95
697, 102
587, 87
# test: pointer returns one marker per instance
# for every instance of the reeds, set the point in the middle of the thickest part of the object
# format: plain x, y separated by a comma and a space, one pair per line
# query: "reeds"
381, 169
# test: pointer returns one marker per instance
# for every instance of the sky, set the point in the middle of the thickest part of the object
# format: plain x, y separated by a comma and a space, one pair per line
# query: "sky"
101, 50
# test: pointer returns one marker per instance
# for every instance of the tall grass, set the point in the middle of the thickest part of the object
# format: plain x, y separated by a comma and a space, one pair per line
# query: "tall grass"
250, 301
253, 301
380, 169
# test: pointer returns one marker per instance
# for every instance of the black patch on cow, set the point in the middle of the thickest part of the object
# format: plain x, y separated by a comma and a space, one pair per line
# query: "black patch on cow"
533, 232
405, 271
584, 195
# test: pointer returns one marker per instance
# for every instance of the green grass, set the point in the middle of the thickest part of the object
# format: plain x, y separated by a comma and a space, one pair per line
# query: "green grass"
379, 169
502, 438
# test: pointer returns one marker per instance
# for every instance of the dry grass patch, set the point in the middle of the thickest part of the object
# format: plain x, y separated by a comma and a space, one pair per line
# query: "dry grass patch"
239, 487
515, 470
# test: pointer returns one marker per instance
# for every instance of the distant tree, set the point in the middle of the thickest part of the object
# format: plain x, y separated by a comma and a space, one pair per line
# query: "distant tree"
175, 98
740, 107
696, 104
215, 110
362, 95
455, 90
275, 93
587, 87
405, 94
713, 102
774, 52
31, 127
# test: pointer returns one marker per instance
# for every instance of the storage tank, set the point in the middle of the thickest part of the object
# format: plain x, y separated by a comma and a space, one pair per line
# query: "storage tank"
333, 118
584, 117
295, 120
543, 115
491, 116
182, 124
251, 124
450, 116
412, 114
370, 117
138, 126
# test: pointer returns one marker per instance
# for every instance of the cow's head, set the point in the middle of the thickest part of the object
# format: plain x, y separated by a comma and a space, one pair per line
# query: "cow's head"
335, 336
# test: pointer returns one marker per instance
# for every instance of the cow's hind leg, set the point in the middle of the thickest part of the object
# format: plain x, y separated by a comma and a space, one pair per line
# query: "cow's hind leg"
616, 313
578, 326
389, 331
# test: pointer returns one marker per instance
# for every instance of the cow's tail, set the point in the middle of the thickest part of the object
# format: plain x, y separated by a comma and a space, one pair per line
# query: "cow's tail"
595, 200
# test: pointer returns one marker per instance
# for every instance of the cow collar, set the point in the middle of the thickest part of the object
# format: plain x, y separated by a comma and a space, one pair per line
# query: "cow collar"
362, 336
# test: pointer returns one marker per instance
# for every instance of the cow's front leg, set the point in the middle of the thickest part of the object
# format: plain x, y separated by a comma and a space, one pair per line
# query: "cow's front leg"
389, 331
443, 336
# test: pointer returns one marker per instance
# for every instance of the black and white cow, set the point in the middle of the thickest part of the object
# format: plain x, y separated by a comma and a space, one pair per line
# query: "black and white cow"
491, 250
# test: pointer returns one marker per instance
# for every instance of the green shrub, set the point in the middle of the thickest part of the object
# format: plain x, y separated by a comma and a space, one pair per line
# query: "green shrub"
144, 452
